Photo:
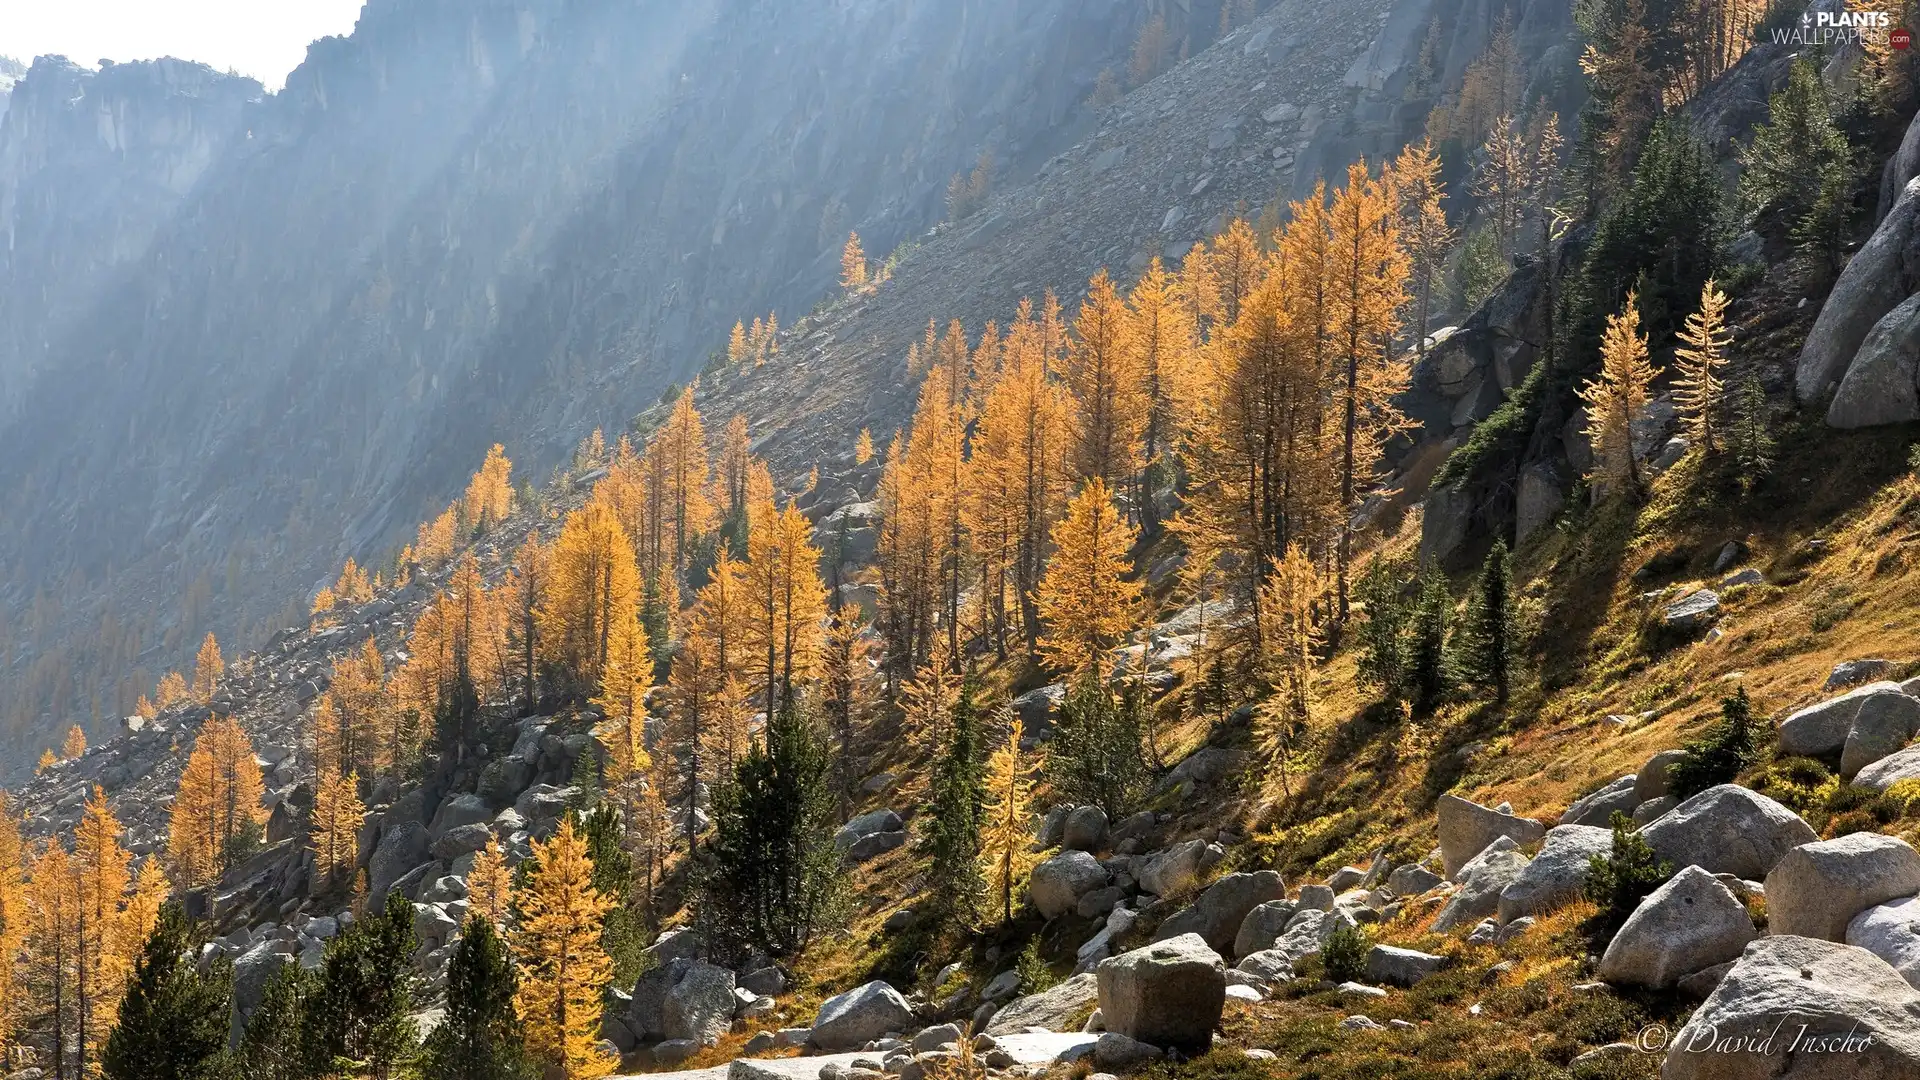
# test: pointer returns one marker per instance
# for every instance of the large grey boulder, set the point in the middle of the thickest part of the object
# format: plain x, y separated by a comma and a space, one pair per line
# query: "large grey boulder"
1263, 926
1875, 280
1217, 913
1834, 1013
1466, 828
1903, 166
1885, 723
1412, 880
1481, 883
1692, 612
1169, 993
1308, 932
461, 810
1057, 1008
646, 1007
1817, 889
1598, 807
700, 1006
1085, 829
1820, 730
849, 1021
1651, 782
1691, 922
1880, 385
462, 839
1178, 868
1058, 883
1891, 931
1557, 874
1890, 770
865, 825
401, 850
1728, 830
1402, 967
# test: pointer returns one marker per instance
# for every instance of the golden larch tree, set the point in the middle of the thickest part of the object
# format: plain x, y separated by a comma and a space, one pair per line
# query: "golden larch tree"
853, 264
490, 885
563, 968
336, 819
100, 962
1288, 606
1369, 272
863, 447
489, 497
1007, 839
433, 545
1109, 396
218, 801
786, 603
14, 921
592, 585
1699, 391
74, 745
208, 667
352, 586
51, 968
1160, 336
142, 913
352, 721
171, 690
48, 759
1085, 599
1617, 396
737, 343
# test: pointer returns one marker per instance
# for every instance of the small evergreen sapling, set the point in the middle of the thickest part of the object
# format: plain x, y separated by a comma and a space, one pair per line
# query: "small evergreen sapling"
482, 1037
1618, 881
1728, 748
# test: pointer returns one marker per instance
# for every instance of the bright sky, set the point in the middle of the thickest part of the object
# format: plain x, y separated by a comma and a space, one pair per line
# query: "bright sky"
262, 38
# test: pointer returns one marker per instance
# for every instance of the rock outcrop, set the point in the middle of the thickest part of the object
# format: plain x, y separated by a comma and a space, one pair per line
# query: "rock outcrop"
1168, 994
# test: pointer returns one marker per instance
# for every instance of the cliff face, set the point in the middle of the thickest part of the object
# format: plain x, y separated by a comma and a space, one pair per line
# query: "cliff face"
264, 332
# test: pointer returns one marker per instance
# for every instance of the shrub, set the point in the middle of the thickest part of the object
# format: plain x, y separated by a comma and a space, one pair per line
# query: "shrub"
1345, 955
1035, 974
1729, 747
1617, 882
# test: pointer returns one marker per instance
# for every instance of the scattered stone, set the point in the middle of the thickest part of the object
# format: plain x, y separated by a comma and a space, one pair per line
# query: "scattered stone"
1481, 883
1053, 1009
1891, 931
868, 824
1113, 1050
1085, 829
1691, 922
1866, 1016
936, 1037
1820, 730
849, 1020
1359, 1023
1412, 880
1598, 807
1263, 926
1557, 874
1176, 870
1316, 898
1402, 967
1652, 809
1651, 782
1817, 888
1728, 830
1058, 883
1692, 612
1169, 993
1217, 913
1466, 828
1890, 770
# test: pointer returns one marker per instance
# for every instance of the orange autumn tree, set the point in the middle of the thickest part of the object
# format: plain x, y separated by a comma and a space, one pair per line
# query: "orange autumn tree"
1109, 397
592, 597
75, 744
53, 918
14, 1002
101, 957
563, 967
207, 669
490, 885
853, 264
489, 496
171, 690
217, 806
786, 604
352, 721
1084, 600
336, 819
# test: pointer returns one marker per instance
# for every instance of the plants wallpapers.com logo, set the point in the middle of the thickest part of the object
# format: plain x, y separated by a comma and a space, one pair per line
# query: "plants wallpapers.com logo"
1830, 28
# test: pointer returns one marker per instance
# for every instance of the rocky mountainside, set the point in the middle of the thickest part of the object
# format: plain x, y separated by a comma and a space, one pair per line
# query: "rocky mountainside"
463, 224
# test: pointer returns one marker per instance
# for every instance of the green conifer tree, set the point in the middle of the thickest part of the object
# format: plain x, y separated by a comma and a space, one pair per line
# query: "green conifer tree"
481, 1037
173, 1021
1430, 662
952, 817
270, 1048
361, 1011
1750, 439
1098, 755
773, 877
1381, 633
1799, 171
1490, 641
624, 936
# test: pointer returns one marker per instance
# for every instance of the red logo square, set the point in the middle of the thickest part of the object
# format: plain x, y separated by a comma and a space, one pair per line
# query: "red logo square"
1901, 39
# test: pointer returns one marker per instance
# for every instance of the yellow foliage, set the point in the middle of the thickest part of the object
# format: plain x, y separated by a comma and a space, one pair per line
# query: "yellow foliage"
171, 690
489, 497
1007, 839
1616, 397
336, 819
75, 744
207, 669
490, 885
1699, 391
218, 800
563, 969
592, 594
853, 264
434, 544
1084, 600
